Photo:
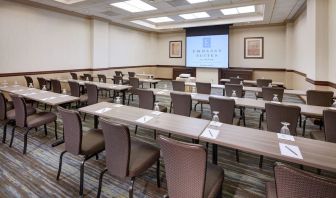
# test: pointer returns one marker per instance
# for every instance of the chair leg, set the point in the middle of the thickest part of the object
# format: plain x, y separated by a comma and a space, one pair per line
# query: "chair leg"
12, 138
196, 106
60, 165
129, 97
81, 182
130, 189
84, 117
100, 182
154, 134
261, 115
170, 108
202, 107
97, 156
25, 141
136, 129
56, 129
4, 133
158, 182
261, 161
300, 120
237, 155
45, 129
304, 127
319, 171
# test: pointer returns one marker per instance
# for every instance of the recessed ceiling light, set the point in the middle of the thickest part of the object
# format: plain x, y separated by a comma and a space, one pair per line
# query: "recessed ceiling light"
160, 19
69, 1
198, 1
196, 15
246, 9
144, 23
238, 10
134, 6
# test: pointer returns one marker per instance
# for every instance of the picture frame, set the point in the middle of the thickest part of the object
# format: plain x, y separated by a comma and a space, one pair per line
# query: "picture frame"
175, 49
254, 47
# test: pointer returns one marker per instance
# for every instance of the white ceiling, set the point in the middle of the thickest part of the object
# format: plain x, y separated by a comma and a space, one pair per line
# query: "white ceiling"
267, 12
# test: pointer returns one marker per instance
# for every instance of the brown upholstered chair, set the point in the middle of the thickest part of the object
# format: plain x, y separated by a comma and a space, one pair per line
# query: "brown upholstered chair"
28, 122
178, 85
75, 91
329, 133
187, 171
118, 79
101, 78
202, 88
277, 113
7, 115
229, 88
146, 101
29, 80
318, 98
134, 82
236, 81
262, 83
182, 105
88, 77
126, 158
74, 76
295, 183
87, 144
119, 73
43, 82
56, 86
131, 74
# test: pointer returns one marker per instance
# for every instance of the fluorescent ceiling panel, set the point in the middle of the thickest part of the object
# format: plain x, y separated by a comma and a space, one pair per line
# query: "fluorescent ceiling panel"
197, 1
196, 15
144, 23
238, 10
133, 6
160, 19
69, 1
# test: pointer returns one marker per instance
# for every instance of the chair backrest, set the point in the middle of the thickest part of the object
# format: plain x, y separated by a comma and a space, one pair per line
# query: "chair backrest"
72, 127
88, 76
185, 166
229, 88
101, 78
92, 93
117, 79
263, 82
56, 86
320, 98
329, 117
117, 148
81, 77
3, 107
292, 182
268, 93
203, 88
20, 110
146, 99
225, 107
178, 85
235, 80
277, 113
29, 80
74, 76
118, 73
74, 88
134, 82
182, 103
131, 74
42, 82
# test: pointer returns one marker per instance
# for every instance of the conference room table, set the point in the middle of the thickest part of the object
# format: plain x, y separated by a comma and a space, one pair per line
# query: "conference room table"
149, 80
253, 82
45, 97
314, 153
166, 122
307, 110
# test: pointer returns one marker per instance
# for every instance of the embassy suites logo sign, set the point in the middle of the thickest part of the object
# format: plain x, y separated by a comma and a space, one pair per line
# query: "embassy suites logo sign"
206, 50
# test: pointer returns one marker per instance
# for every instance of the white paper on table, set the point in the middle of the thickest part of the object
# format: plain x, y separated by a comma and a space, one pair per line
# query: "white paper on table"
63, 96
17, 90
51, 98
118, 105
28, 94
160, 92
210, 133
290, 151
156, 112
216, 124
285, 137
276, 102
43, 91
144, 119
332, 108
103, 110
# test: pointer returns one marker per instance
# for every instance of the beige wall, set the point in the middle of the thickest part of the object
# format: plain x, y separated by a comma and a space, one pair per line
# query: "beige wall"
163, 48
332, 41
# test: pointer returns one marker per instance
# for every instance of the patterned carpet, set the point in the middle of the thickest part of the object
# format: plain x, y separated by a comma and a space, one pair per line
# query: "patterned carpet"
34, 174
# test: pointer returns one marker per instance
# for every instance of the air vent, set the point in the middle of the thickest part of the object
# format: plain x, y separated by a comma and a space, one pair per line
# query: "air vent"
109, 13
177, 3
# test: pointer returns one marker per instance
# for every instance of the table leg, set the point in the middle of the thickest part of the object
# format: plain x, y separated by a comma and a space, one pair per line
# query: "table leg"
95, 121
150, 85
124, 96
214, 153
154, 84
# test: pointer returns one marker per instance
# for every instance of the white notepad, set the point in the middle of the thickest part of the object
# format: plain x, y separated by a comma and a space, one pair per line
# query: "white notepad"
144, 119
156, 112
50, 98
285, 137
290, 151
28, 94
216, 124
103, 110
160, 92
210, 133
63, 96
118, 105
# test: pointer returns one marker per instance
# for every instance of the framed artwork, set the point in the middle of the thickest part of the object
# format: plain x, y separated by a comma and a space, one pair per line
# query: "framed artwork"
254, 47
175, 49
